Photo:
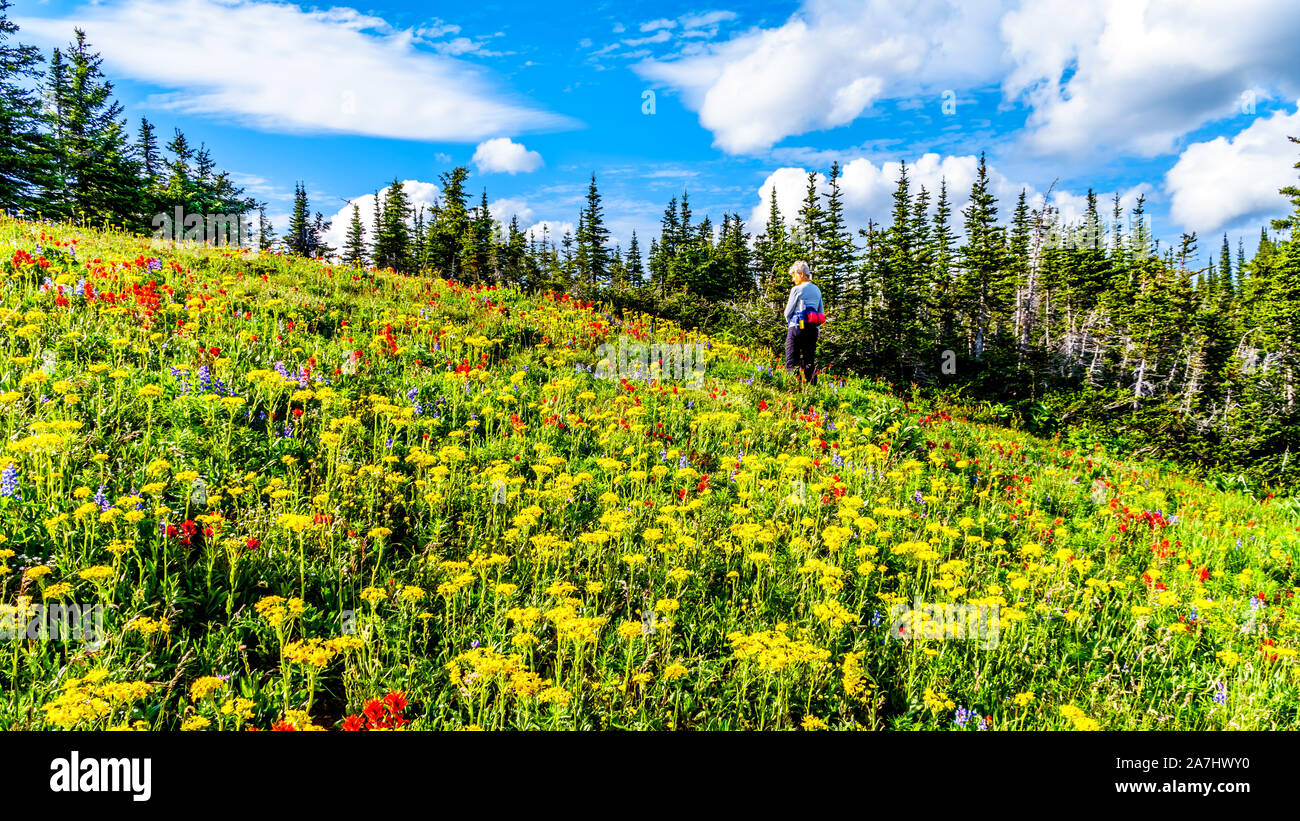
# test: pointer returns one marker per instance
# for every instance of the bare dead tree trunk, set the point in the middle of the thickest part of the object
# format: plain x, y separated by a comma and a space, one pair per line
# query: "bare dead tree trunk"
1025, 311
1142, 367
1193, 378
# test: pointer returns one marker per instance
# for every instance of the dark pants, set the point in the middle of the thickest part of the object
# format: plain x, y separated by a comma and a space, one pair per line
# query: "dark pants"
801, 351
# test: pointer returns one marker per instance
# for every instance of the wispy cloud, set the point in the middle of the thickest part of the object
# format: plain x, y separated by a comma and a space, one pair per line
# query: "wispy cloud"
286, 68
661, 23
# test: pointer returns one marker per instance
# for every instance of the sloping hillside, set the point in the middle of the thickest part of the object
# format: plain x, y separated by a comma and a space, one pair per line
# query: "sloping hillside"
311, 496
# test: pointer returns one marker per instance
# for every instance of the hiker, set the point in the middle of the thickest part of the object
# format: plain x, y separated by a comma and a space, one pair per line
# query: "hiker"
803, 315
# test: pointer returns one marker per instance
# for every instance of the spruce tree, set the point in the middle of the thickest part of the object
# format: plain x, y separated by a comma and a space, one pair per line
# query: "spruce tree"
23, 168
265, 231
810, 226
985, 281
1282, 303
419, 240
100, 182
900, 284
635, 265
836, 243
663, 253
180, 189
146, 147
354, 251
923, 332
1026, 296
204, 181
592, 256
733, 249
297, 239
55, 193
392, 235
941, 274
146, 152
513, 256
1225, 266
480, 258
772, 256
449, 229
319, 228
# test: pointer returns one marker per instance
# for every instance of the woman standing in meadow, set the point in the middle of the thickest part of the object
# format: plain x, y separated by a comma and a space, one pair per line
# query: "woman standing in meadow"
803, 315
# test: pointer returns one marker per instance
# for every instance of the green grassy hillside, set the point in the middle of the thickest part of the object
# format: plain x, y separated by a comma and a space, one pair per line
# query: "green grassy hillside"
311, 496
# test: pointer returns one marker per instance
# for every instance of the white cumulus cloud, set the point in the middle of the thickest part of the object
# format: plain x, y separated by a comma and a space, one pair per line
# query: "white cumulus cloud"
505, 155
504, 209
1137, 75
549, 229
1233, 180
1097, 77
828, 64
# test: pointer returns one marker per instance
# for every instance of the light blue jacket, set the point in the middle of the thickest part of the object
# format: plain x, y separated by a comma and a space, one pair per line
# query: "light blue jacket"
803, 296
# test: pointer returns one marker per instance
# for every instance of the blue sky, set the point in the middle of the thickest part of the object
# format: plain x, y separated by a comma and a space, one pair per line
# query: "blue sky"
1184, 101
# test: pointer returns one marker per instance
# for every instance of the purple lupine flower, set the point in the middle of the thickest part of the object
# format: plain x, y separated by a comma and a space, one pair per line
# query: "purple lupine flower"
961, 716
9, 482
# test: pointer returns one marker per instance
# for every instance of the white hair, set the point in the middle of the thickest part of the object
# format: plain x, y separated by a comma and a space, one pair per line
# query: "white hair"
801, 268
